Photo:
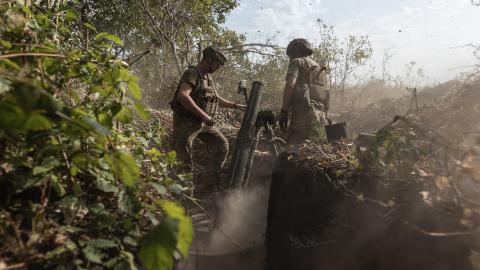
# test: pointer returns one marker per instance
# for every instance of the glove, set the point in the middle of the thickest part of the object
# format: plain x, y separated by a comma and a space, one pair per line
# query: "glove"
209, 122
283, 120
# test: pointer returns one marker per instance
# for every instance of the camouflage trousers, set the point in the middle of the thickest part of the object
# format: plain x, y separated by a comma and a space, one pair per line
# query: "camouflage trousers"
307, 125
185, 130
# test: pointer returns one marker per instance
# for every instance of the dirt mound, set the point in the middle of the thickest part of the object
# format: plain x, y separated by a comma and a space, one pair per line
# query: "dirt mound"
456, 115
379, 113
406, 205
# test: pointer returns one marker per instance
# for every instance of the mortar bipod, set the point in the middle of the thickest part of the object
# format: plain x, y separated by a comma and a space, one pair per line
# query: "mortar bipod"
264, 125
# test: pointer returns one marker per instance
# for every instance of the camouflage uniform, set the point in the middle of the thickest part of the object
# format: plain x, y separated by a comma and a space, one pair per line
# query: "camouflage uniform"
187, 127
306, 123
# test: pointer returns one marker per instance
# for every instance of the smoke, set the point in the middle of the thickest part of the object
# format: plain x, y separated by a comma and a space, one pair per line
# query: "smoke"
241, 220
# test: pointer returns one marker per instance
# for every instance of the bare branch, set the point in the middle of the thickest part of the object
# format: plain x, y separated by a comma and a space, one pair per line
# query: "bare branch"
152, 21
14, 55
160, 34
252, 51
253, 45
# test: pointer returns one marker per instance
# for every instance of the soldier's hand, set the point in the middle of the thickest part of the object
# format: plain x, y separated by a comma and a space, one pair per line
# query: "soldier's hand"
283, 121
209, 121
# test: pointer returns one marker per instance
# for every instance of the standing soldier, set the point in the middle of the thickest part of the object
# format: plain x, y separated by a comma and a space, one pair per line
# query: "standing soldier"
194, 105
305, 95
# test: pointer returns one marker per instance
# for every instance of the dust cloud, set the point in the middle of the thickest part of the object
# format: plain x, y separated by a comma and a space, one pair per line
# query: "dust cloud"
241, 221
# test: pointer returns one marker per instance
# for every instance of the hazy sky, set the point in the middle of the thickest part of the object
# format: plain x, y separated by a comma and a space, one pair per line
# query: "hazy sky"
429, 32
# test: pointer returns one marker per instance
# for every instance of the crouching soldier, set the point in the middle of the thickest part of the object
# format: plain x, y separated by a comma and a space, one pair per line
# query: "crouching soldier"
194, 104
305, 95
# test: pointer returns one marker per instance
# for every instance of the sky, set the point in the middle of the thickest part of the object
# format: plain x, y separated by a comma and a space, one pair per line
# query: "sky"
430, 32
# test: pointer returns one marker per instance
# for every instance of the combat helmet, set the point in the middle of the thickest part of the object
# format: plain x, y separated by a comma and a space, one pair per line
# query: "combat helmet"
299, 46
213, 53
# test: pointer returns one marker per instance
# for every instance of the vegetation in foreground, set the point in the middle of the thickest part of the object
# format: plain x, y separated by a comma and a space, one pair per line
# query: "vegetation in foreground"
76, 191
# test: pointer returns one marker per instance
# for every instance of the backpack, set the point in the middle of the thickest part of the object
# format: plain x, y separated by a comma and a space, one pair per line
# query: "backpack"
310, 91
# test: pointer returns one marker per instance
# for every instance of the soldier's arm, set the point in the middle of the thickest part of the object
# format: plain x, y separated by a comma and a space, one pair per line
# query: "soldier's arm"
292, 75
224, 103
287, 92
186, 100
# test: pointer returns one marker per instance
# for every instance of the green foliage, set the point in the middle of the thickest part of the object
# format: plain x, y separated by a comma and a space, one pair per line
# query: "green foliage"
110, 37
175, 36
71, 157
341, 58
174, 233
124, 167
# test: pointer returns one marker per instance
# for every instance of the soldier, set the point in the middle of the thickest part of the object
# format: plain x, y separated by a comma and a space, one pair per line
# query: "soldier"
194, 104
305, 95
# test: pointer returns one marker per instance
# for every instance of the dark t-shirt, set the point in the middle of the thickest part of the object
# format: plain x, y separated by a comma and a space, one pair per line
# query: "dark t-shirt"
201, 86
190, 76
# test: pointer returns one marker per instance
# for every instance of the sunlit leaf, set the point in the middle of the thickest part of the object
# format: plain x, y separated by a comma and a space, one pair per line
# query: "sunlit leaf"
124, 115
177, 189
134, 89
130, 259
53, 253
106, 186
47, 165
185, 233
124, 167
5, 44
36, 122
27, 10
4, 86
159, 188
103, 243
111, 37
58, 186
174, 233
93, 255
140, 109
71, 15
9, 65
96, 126
89, 26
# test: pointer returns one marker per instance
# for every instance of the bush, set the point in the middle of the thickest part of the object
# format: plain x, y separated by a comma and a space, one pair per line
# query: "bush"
73, 192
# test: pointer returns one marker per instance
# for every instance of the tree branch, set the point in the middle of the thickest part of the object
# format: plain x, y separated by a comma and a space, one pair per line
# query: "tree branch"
253, 45
161, 35
14, 55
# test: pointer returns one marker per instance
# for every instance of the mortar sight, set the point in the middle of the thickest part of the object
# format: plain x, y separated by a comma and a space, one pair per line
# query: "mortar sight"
242, 87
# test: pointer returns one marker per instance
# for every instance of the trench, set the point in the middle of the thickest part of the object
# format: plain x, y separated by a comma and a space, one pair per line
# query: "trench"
237, 240
314, 224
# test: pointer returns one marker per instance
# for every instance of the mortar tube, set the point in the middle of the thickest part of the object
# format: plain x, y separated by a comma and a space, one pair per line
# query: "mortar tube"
239, 161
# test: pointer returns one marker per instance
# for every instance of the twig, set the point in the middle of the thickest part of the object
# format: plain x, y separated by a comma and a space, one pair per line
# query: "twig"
323, 153
390, 212
18, 233
161, 35
254, 51
442, 234
14, 266
14, 55
135, 58
253, 45
216, 225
